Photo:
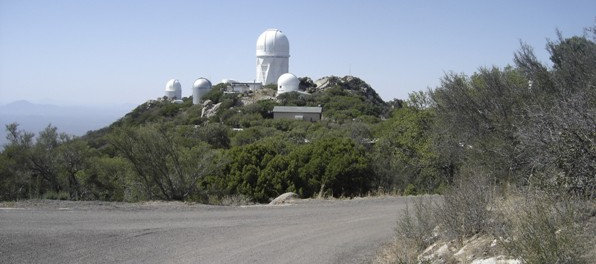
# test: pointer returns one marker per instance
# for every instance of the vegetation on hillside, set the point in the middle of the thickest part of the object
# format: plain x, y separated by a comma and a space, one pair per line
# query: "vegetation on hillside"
163, 150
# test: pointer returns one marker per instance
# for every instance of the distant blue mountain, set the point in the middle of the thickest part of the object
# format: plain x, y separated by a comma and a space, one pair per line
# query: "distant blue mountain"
74, 120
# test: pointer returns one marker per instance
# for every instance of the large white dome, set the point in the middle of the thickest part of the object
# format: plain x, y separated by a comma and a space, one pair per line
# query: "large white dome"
273, 43
273, 56
199, 88
286, 83
173, 89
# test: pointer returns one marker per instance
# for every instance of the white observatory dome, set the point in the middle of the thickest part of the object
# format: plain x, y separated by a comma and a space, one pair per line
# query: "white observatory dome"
273, 42
286, 83
199, 88
273, 54
173, 89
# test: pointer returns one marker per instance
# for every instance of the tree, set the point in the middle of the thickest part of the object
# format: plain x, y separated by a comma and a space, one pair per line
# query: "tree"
73, 155
531, 124
166, 168
108, 179
404, 152
15, 177
477, 119
43, 160
558, 132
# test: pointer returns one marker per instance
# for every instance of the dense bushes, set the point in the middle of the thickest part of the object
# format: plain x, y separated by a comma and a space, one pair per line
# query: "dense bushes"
332, 166
166, 168
527, 125
520, 145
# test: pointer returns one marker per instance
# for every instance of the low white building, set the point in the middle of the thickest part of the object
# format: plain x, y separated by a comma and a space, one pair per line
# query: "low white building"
243, 87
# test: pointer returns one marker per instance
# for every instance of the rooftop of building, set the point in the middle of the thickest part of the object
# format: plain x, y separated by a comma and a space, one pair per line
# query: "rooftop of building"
298, 109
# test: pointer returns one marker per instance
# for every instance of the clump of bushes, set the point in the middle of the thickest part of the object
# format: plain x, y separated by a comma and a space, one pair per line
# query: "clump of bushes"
516, 146
531, 225
540, 227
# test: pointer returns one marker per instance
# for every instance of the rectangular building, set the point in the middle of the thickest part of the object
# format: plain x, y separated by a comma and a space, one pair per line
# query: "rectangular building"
237, 87
306, 113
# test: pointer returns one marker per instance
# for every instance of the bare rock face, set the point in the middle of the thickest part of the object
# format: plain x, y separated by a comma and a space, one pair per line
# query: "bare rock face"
284, 198
209, 109
479, 249
264, 93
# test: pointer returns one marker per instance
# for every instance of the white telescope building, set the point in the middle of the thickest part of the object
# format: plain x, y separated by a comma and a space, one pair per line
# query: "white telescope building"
286, 83
273, 53
199, 88
173, 89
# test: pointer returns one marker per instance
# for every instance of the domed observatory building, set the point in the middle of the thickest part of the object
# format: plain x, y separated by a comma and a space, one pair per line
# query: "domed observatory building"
273, 53
286, 83
173, 89
199, 88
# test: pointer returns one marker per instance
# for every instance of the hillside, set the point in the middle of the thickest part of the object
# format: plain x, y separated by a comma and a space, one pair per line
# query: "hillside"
343, 100
230, 147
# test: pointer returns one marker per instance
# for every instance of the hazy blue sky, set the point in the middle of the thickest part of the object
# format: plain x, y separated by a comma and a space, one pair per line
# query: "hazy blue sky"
112, 52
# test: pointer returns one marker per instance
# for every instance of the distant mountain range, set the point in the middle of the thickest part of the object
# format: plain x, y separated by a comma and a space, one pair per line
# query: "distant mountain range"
74, 120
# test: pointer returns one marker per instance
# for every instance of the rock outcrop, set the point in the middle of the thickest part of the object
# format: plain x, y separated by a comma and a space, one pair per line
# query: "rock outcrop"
284, 198
209, 109
477, 249
349, 83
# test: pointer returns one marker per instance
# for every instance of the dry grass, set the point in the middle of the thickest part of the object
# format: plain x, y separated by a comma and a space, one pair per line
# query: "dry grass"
466, 208
540, 227
528, 225
397, 251
229, 200
414, 232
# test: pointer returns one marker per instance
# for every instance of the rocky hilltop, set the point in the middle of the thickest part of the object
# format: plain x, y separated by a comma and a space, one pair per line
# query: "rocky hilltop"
342, 98
351, 84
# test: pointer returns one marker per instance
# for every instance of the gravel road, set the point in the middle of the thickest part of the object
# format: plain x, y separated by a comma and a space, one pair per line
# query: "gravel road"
309, 231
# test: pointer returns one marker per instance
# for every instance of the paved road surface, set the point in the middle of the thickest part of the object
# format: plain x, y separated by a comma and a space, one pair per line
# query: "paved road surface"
312, 231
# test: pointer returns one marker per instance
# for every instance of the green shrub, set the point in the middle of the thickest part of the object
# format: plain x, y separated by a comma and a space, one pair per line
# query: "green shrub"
410, 190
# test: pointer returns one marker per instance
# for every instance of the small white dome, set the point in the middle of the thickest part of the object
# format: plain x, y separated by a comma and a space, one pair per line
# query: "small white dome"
286, 83
273, 43
199, 88
173, 89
